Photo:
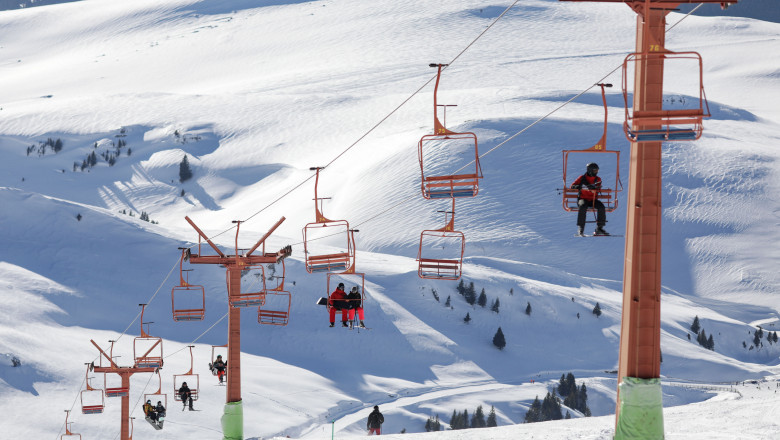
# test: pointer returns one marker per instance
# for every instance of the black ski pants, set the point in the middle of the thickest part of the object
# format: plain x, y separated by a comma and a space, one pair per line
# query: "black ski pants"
601, 213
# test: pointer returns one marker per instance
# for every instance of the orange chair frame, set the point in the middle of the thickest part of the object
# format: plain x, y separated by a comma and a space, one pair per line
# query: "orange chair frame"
276, 316
664, 125
92, 408
186, 289
339, 261
178, 379
437, 268
607, 195
151, 358
454, 185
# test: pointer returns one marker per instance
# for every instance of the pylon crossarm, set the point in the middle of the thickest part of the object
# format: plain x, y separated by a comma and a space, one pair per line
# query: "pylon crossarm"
111, 361
208, 240
267, 234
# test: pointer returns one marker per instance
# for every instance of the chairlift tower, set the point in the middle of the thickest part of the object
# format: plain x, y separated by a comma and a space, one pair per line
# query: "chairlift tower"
639, 412
232, 420
124, 373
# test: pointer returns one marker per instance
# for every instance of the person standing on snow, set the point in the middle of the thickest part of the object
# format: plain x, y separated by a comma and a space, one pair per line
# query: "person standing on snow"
355, 302
374, 423
589, 185
337, 302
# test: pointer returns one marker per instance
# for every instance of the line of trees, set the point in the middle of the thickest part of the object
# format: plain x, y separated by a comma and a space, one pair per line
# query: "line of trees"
461, 420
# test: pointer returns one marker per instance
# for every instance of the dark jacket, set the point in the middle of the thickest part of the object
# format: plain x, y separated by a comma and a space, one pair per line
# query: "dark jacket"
160, 410
354, 300
375, 420
184, 392
220, 365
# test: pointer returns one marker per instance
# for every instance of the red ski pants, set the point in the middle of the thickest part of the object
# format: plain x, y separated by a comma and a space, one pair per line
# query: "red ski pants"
352, 313
333, 315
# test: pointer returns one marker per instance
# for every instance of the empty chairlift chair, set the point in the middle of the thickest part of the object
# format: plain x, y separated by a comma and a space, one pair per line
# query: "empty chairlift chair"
68, 434
276, 308
323, 228
147, 349
188, 301
440, 255
112, 391
92, 399
440, 149
679, 116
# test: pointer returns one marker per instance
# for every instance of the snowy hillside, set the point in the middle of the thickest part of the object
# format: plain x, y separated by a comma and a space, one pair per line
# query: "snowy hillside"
254, 93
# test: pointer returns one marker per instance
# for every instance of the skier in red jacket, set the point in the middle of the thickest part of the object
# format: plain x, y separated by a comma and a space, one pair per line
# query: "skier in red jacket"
337, 301
589, 185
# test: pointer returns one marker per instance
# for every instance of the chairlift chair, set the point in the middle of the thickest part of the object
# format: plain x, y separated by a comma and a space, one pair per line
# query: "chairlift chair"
598, 152
447, 263
193, 381
120, 391
323, 227
218, 350
664, 124
92, 399
437, 185
188, 301
276, 308
147, 349
159, 395
350, 276
68, 434
251, 289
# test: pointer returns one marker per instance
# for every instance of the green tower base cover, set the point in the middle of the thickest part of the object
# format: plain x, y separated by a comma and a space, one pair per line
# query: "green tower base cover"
641, 410
233, 421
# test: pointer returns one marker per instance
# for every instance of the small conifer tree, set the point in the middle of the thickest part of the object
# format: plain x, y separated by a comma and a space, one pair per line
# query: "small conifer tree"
696, 326
528, 309
467, 319
185, 173
498, 339
494, 307
597, 310
482, 300
491, 420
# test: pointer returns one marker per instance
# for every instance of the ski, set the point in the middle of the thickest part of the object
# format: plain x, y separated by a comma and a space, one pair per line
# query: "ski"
597, 235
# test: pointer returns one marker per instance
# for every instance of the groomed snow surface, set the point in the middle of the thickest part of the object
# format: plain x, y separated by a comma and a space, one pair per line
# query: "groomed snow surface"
257, 92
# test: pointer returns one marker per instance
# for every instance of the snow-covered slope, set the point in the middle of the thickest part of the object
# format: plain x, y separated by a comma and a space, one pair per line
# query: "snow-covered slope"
255, 93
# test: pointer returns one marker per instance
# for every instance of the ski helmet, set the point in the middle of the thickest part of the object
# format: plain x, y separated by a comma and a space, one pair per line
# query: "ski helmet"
593, 166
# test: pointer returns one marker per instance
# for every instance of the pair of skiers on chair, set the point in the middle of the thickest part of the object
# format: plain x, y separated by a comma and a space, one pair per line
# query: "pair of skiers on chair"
589, 185
347, 303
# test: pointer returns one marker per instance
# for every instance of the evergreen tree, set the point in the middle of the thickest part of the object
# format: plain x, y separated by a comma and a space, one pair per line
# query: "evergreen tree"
551, 408
185, 173
129, 151
78, 217
454, 419
461, 288
471, 294
710, 343
478, 419
433, 424
482, 300
534, 413
467, 319
496, 304
696, 326
512, 291
597, 310
447, 303
528, 309
57, 145
491, 420
498, 339
435, 294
